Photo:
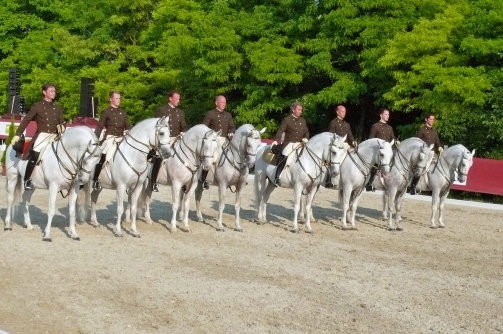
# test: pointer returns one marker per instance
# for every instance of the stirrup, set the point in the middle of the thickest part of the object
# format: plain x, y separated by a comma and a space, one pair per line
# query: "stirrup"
205, 185
96, 185
28, 185
413, 191
277, 182
369, 187
154, 187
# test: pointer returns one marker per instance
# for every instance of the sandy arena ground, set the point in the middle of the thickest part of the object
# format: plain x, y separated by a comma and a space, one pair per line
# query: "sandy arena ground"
265, 280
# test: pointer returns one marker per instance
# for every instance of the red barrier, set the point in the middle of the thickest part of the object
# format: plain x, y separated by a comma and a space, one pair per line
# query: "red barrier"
485, 176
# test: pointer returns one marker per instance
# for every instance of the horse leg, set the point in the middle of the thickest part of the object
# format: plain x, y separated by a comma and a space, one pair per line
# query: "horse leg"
385, 206
266, 195
120, 209
441, 211
398, 210
221, 206
198, 196
26, 208
133, 204
175, 194
237, 205
346, 193
354, 206
185, 208
72, 199
435, 199
302, 212
12, 188
259, 186
297, 197
94, 200
53, 192
388, 196
309, 203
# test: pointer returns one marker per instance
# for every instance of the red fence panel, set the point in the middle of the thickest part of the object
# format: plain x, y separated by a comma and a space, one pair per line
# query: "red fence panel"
485, 176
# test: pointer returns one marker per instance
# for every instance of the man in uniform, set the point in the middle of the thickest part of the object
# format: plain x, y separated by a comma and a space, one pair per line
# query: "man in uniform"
340, 128
115, 121
430, 136
381, 130
49, 119
294, 128
218, 119
177, 127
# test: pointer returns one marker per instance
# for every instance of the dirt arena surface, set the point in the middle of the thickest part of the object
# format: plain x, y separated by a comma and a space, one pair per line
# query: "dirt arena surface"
264, 280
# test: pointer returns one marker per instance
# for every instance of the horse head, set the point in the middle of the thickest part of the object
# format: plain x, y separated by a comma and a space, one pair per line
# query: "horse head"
253, 140
423, 161
89, 159
209, 144
464, 165
336, 153
385, 156
162, 140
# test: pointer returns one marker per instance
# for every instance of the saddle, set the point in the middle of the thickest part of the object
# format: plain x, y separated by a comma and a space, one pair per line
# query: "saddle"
270, 157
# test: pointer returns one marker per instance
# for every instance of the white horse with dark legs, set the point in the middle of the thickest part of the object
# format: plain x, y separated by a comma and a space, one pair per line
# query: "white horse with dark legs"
306, 172
355, 173
455, 160
193, 151
411, 158
232, 168
65, 165
127, 170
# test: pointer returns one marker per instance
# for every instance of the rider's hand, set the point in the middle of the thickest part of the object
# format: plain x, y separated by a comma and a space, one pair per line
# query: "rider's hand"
354, 143
305, 140
230, 135
14, 140
181, 134
440, 150
274, 143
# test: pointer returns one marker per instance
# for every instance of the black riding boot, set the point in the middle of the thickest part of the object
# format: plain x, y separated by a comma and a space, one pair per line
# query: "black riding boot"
155, 171
203, 181
328, 181
97, 170
413, 185
279, 169
373, 173
28, 185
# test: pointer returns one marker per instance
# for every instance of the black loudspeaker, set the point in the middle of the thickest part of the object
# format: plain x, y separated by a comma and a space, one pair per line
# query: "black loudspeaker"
88, 104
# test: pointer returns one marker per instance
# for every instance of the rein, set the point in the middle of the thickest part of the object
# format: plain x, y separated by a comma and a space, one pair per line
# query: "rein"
194, 153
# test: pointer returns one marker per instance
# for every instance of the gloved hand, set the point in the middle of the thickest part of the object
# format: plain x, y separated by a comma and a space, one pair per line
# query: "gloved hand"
440, 150
14, 140
230, 135
274, 143
124, 132
181, 134
354, 143
60, 128
397, 142
305, 140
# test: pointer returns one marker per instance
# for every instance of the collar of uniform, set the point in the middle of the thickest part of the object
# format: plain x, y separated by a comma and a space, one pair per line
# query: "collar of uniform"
218, 110
169, 104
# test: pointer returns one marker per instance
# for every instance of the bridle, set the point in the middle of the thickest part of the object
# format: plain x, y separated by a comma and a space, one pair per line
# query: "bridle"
237, 160
189, 164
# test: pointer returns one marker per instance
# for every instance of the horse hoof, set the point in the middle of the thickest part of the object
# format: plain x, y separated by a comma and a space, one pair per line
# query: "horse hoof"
354, 228
136, 235
345, 228
238, 229
47, 239
220, 229
77, 238
118, 235
294, 230
433, 227
400, 229
391, 229
7, 228
441, 226
309, 231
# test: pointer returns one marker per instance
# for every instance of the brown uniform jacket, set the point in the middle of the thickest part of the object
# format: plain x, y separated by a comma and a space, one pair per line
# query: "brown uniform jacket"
341, 128
220, 121
176, 119
382, 131
46, 114
429, 136
294, 128
114, 120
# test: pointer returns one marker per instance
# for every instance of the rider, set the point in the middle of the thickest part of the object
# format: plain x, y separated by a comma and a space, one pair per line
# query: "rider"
429, 135
295, 129
218, 119
381, 130
50, 123
115, 121
340, 128
177, 127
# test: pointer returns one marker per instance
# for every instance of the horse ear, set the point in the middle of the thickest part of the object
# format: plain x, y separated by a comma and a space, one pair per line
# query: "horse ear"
344, 138
263, 130
432, 146
473, 153
392, 142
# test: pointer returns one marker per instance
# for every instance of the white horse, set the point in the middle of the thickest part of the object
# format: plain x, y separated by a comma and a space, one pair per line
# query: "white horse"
194, 150
65, 165
232, 168
305, 174
127, 170
355, 173
455, 160
411, 159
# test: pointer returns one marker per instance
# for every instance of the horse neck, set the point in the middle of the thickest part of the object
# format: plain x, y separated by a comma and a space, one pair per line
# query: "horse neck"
406, 156
186, 150
369, 153
315, 150
136, 140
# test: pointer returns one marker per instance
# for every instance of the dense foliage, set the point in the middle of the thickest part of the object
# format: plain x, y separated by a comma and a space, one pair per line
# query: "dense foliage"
414, 56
